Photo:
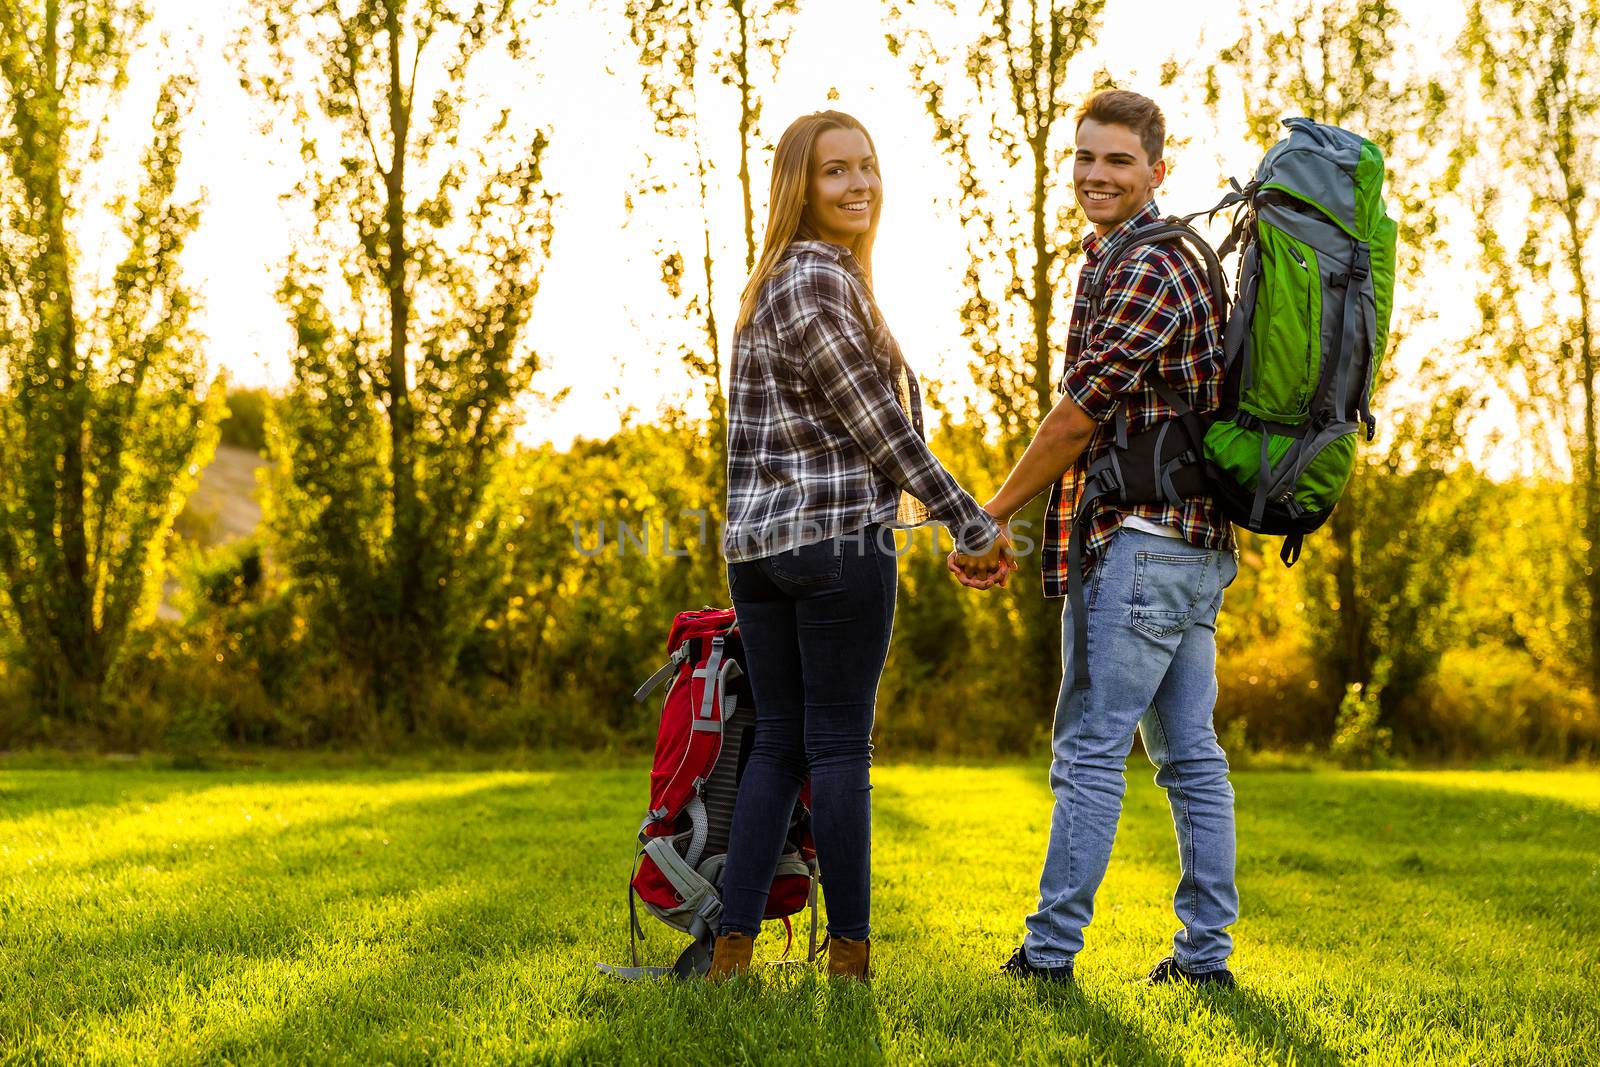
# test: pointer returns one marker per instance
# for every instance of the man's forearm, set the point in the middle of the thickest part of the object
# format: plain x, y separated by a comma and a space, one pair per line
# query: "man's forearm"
1062, 437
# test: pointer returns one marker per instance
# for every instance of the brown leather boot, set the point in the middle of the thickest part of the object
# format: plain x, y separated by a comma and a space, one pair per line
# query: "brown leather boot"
731, 955
848, 959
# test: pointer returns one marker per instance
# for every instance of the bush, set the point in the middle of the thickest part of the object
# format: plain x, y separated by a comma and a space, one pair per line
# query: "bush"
1495, 701
222, 577
580, 611
246, 423
1358, 740
1271, 687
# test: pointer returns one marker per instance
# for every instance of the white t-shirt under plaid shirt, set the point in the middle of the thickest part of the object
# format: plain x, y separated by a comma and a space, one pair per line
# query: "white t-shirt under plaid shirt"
818, 443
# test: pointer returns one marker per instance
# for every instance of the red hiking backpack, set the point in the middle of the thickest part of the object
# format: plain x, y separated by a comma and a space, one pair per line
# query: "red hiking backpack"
707, 722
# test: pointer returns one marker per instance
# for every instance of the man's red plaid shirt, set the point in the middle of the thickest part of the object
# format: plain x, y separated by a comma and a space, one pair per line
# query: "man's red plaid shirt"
1156, 318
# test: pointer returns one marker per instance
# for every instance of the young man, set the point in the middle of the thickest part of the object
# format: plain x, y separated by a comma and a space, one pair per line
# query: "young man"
1156, 572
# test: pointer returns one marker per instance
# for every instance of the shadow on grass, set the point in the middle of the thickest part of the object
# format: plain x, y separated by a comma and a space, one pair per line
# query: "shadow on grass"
474, 931
1276, 1026
778, 1016
1273, 1031
1073, 1011
287, 931
1514, 864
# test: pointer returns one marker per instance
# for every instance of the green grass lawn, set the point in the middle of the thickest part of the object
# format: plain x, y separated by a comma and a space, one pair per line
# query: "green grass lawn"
329, 915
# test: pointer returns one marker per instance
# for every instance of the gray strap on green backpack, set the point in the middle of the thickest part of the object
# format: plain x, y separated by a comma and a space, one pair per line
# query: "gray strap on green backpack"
1237, 344
1167, 230
1357, 335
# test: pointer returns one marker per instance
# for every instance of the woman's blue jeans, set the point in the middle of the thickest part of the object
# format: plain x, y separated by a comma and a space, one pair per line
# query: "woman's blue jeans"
815, 623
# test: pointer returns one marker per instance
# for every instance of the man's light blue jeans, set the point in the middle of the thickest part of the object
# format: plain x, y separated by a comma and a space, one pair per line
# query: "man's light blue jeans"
1153, 604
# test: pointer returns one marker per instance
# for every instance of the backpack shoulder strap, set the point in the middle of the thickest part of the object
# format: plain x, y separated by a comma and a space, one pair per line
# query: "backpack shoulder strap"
1171, 229
1167, 230
668, 668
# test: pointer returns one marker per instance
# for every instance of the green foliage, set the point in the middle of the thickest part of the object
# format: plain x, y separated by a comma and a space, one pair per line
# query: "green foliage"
686, 49
248, 664
1528, 168
1491, 700
1473, 663
973, 674
576, 623
230, 575
245, 425
1386, 601
1001, 103
1268, 688
408, 310
598, 572
1512, 590
1358, 740
106, 417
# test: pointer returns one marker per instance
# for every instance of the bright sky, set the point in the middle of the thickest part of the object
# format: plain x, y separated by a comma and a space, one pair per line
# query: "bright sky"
602, 320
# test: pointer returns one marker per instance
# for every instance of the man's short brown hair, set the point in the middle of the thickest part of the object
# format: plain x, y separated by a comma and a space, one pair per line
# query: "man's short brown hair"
1119, 107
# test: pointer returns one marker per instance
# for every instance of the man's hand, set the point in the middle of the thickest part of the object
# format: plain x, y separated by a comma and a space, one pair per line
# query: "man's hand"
993, 567
1063, 435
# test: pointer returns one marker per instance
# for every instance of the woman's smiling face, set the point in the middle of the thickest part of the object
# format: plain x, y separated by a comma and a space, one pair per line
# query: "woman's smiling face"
844, 192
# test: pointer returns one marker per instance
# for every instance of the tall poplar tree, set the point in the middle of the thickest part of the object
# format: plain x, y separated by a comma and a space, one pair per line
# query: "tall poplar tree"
1002, 110
1539, 144
104, 419
1002, 104
1381, 603
430, 225
702, 64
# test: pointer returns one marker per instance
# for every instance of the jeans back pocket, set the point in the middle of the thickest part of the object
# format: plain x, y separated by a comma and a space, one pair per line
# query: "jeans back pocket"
1167, 588
814, 564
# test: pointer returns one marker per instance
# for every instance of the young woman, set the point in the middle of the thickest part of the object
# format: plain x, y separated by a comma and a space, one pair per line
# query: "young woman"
825, 456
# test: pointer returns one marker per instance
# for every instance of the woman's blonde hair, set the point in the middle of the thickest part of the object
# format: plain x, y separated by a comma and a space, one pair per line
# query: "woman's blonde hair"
786, 214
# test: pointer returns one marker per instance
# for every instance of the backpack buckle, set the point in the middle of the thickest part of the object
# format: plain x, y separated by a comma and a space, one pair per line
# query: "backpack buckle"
1360, 263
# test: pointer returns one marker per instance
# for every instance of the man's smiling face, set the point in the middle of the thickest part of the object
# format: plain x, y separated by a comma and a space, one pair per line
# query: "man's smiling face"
1112, 175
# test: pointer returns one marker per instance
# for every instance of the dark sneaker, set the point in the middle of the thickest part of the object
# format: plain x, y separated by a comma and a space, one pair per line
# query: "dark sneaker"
1168, 971
1019, 967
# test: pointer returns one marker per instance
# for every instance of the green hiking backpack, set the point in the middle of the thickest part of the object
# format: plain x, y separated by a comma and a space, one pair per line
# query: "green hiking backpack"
1302, 346
1307, 335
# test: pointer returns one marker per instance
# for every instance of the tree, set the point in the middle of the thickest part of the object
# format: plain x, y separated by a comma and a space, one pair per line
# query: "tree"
1013, 133
1538, 135
1380, 595
683, 44
408, 301
1002, 108
104, 423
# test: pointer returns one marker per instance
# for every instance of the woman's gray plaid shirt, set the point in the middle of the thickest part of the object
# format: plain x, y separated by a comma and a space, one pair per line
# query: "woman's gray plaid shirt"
818, 446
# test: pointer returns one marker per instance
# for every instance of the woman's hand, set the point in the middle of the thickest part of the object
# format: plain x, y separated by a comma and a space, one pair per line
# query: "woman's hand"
991, 568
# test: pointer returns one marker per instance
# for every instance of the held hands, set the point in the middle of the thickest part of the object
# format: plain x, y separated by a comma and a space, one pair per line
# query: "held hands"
991, 568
